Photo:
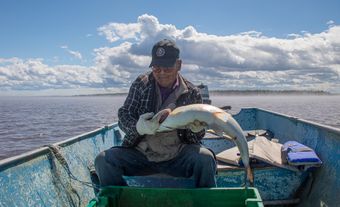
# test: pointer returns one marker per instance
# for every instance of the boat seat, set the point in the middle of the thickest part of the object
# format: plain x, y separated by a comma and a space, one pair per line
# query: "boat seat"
162, 180
159, 181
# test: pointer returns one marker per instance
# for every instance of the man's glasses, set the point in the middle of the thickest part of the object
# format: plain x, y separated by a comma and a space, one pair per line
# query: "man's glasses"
158, 69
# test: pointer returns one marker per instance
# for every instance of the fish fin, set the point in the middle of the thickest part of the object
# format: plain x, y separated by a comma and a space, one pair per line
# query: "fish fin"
228, 137
216, 132
220, 133
197, 126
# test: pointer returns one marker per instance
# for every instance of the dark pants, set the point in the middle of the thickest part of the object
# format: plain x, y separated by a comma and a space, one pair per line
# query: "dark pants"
193, 161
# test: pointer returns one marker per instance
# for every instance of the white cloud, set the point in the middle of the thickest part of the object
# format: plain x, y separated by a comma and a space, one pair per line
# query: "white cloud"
33, 74
248, 60
116, 31
330, 22
293, 35
299, 61
75, 54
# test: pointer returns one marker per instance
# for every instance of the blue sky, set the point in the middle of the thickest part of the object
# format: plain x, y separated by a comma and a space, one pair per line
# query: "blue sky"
80, 47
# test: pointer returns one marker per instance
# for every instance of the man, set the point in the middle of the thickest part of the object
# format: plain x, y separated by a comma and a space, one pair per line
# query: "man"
177, 153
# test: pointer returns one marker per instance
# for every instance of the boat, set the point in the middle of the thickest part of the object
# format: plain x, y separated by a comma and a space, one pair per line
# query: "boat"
62, 174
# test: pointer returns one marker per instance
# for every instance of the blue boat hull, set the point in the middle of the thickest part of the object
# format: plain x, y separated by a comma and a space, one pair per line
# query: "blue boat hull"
37, 178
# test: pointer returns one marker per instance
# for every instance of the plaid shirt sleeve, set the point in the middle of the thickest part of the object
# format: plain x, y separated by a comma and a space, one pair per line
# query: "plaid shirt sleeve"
128, 114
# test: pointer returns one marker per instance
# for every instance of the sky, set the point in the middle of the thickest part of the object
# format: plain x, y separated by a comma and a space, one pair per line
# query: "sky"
83, 47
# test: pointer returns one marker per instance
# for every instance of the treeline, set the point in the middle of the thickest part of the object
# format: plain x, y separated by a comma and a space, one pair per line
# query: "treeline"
105, 94
263, 92
239, 92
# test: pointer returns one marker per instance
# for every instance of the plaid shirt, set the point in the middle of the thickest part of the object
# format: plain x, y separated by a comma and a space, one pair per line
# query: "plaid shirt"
142, 99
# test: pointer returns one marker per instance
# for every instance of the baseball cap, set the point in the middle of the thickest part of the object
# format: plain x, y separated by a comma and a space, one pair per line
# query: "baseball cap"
164, 53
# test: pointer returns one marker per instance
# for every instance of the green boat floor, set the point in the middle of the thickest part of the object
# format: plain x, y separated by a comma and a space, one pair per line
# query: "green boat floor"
116, 196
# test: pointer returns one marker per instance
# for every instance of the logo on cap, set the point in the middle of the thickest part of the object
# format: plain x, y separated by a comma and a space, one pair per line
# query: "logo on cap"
160, 52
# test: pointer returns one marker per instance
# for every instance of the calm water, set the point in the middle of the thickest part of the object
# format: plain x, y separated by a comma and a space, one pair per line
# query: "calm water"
29, 122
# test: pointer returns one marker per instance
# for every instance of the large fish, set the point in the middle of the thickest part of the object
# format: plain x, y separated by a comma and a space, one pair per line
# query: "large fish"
210, 117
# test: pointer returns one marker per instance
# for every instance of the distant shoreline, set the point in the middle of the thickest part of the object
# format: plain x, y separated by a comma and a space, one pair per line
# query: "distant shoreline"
239, 92
104, 94
268, 92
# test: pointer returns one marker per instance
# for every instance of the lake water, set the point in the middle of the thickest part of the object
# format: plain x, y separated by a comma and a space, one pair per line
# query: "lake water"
27, 123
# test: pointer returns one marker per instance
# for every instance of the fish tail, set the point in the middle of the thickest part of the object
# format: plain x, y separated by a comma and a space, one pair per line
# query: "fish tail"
250, 175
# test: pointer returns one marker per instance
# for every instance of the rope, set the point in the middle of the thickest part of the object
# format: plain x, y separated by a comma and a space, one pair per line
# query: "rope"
57, 154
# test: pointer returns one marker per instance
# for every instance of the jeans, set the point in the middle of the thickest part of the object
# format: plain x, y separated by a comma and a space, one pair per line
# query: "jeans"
193, 161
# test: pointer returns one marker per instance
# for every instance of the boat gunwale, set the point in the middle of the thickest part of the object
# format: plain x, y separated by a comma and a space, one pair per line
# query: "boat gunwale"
294, 118
44, 150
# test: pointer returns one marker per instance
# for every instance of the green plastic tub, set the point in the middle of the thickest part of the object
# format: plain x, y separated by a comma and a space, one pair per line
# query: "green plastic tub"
163, 197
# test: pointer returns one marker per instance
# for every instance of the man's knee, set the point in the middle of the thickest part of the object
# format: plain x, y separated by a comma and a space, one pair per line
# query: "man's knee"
206, 157
100, 157
100, 161
206, 152
107, 171
200, 155
109, 156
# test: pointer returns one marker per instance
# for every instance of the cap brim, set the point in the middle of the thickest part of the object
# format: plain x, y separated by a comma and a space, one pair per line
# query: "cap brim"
163, 63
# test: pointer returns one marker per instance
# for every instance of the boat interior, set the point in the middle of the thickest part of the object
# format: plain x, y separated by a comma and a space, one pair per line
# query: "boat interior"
277, 183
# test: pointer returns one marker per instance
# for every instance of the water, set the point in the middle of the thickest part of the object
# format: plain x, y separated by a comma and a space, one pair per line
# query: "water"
27, 123
321, 109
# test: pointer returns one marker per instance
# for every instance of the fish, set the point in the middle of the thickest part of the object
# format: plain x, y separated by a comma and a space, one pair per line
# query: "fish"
208, 117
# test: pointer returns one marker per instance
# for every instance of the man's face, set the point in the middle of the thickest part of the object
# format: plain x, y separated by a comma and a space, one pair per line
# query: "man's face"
166, 76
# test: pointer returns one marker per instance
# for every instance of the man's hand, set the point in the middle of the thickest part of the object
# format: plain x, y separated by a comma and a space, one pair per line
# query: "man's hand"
146, 124
197, 126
